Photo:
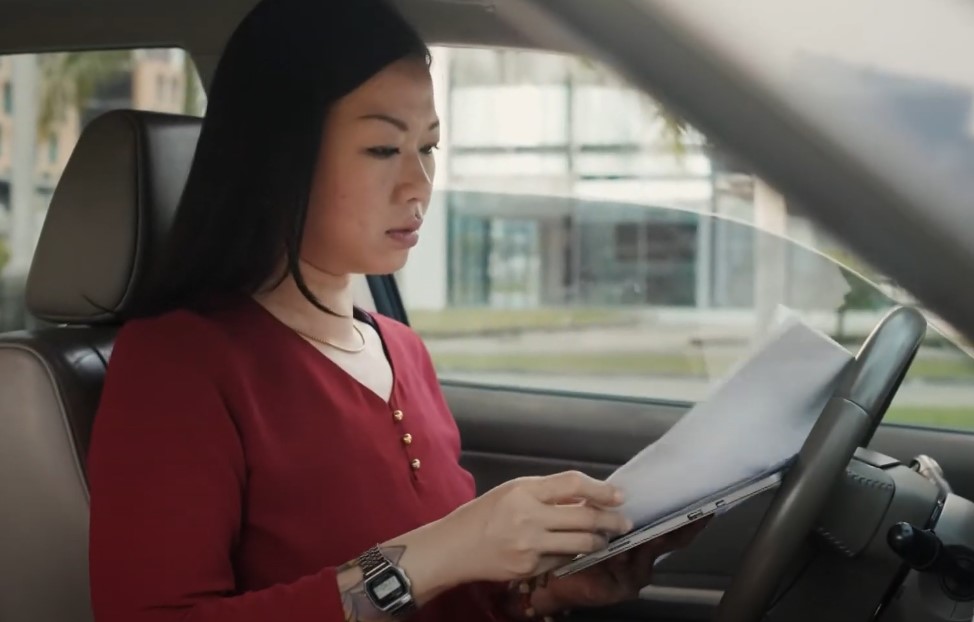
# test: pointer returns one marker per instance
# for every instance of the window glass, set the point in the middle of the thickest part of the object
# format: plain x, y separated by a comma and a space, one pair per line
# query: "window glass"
49, 98
896, 97
584, 239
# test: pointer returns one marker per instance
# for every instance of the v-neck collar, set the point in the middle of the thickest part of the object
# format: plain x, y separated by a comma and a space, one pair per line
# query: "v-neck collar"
359, 314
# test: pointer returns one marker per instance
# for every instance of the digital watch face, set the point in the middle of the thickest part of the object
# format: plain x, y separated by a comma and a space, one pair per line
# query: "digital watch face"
386, 588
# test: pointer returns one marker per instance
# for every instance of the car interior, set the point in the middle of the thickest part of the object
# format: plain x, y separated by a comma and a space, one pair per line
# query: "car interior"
873, 521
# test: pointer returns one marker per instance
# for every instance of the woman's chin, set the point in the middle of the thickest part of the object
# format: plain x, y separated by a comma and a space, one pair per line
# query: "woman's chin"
388, 265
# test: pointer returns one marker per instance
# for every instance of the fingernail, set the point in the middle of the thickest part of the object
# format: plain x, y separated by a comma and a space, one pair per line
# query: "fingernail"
618, 496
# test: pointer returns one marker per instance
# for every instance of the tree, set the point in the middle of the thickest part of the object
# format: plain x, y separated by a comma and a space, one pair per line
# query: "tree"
68, 80
674, 130
4, 254
862, 294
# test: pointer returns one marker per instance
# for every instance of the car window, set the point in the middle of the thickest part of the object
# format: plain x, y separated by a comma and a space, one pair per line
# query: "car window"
50, 98
583, 239
880, 96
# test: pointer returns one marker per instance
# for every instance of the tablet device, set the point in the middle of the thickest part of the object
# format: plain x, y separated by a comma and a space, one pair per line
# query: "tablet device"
701, 509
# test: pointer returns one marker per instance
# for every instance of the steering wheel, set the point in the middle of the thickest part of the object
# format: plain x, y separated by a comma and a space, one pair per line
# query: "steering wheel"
848, 421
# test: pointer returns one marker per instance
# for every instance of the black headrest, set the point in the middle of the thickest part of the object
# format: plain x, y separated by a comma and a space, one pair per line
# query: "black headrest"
109, 215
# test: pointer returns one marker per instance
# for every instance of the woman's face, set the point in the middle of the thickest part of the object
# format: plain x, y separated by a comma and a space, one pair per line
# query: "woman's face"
374, 175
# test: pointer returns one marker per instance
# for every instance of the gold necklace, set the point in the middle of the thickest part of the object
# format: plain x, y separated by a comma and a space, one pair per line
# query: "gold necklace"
335, 345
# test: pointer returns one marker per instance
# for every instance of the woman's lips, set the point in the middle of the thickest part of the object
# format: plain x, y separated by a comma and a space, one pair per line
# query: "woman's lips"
407, 237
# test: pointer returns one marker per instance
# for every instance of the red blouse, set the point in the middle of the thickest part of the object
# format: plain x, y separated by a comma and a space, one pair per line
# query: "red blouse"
233, 467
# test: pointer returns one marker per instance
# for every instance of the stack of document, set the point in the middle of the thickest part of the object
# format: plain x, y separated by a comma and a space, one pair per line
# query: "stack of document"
753, 424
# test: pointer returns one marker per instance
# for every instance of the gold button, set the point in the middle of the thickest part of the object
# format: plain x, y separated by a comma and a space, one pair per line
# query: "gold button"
416, 464
397, 415
407, 439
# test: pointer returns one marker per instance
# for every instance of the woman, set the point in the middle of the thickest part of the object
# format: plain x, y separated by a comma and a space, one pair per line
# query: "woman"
259, 435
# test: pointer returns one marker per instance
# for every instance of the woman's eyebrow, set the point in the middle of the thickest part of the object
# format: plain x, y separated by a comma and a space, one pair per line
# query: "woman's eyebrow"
398, 123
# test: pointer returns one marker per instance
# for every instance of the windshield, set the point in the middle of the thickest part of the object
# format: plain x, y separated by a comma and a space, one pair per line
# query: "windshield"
641, 321
891, 84
584, 239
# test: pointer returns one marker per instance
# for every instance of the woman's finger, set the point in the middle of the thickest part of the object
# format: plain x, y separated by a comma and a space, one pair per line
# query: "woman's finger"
642, 566
623, 573
574, 486
584, 518
552, 562
572, 542
618, 566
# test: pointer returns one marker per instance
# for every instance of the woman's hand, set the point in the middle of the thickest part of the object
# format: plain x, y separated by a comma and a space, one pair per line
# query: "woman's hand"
617, 579
514, 530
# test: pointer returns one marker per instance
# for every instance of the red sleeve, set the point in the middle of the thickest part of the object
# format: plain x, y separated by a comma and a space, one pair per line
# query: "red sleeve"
166, 472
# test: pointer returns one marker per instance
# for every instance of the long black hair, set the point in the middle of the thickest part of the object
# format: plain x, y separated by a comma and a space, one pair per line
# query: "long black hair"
246, 198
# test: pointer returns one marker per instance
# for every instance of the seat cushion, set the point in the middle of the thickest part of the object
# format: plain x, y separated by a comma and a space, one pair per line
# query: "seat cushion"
50, 383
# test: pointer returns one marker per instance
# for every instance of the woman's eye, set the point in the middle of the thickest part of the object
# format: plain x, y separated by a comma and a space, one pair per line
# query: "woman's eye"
383, 152
428, 149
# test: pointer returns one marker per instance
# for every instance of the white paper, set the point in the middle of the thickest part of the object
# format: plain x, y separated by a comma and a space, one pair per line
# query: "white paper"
754, 422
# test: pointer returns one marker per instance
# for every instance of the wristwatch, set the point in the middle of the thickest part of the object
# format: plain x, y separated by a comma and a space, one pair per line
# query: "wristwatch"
386, 584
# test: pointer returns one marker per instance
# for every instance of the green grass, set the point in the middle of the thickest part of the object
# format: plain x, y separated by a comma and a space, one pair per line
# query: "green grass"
671, 364
574, 363
955, 418
943, 369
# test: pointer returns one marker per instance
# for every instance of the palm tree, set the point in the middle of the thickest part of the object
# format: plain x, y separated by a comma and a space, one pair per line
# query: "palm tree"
69, 80
674, 130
